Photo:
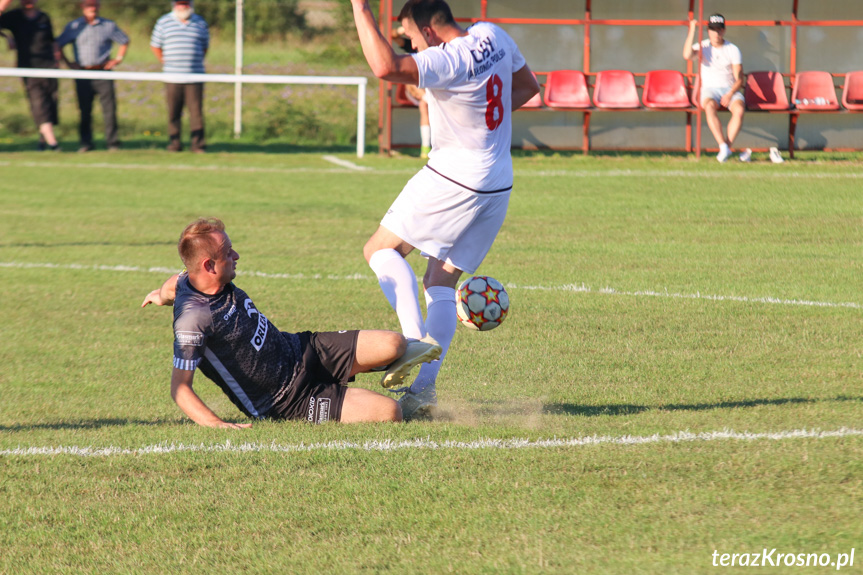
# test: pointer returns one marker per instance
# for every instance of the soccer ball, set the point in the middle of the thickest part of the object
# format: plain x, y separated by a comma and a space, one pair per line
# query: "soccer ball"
481, 303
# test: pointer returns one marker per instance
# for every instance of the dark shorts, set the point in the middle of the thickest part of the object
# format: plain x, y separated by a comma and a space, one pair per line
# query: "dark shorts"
42, 94
320, 382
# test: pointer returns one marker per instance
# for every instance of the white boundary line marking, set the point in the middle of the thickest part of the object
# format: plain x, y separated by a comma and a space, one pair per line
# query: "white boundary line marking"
360, 277
428, 444
345, 164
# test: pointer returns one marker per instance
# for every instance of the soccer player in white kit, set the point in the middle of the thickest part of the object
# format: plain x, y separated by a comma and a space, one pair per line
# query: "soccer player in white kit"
454, 207
721, 79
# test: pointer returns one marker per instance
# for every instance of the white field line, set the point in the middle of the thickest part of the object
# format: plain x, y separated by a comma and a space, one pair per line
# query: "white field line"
345, 164
779, 173
510, 286
429, 444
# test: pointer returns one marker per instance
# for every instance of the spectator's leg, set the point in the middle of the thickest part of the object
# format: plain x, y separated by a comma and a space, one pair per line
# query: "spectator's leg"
736, 108
107, 99
195, 99
84, 90
712, 115
174, 95
42, 94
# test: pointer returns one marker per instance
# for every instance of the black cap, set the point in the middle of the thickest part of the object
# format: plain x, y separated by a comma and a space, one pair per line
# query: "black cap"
716, 22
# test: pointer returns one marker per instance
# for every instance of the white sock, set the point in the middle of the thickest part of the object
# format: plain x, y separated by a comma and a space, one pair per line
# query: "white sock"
399, 284
425, 136
441, 323
723, 148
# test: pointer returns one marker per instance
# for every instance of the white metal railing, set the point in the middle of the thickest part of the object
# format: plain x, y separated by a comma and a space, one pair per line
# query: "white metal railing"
236, 79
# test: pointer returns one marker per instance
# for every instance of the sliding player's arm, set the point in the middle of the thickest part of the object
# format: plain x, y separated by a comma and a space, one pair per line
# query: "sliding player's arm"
524, 87
165, 295
192, 405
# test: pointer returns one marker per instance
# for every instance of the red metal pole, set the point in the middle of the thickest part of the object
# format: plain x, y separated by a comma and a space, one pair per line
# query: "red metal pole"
698, 96
585, 117
792, 118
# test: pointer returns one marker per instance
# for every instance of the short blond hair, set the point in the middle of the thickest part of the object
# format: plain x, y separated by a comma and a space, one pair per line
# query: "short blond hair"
197, 241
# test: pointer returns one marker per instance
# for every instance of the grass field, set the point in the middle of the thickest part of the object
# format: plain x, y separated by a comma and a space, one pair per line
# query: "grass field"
680, 373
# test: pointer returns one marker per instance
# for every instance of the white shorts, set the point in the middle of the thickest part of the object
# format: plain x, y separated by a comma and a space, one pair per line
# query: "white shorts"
445, 221
716, 94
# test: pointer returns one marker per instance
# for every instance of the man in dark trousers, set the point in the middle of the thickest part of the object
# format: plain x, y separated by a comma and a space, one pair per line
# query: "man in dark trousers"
180, 41
92, 38
34, 40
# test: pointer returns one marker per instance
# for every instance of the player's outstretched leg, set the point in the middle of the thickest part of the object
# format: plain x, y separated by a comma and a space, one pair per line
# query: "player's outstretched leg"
419, 401
418, 351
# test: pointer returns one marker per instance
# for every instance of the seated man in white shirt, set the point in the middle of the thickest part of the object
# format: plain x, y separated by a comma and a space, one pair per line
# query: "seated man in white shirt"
721, 79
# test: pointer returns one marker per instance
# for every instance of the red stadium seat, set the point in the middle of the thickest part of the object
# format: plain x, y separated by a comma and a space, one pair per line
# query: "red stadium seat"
615, 89
814, 91
665, 89
766, 91
852, 93
566, 89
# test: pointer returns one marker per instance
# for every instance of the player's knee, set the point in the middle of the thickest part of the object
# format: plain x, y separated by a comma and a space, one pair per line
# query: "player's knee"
396, 343
368, 251
394, 412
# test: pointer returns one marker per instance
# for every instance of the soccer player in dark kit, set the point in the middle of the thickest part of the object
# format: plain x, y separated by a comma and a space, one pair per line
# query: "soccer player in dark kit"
265, 372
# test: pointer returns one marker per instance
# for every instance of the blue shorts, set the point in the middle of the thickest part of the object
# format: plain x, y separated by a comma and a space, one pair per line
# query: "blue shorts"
716, 94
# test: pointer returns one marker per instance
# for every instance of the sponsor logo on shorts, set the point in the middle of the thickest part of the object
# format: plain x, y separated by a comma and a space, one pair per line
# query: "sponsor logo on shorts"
322, 413
192, 338
323, 410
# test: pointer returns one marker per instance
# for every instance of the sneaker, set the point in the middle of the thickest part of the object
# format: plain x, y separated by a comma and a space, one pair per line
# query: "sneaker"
417, 352
424, 152
724, 154
85, 148
775, 156
746, 155
419, 405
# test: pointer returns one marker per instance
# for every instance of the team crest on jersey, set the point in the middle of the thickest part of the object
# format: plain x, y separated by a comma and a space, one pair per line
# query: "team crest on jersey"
261, 331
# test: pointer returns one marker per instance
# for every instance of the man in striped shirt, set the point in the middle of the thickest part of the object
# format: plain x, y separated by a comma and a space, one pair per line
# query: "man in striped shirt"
92, 38
180, 41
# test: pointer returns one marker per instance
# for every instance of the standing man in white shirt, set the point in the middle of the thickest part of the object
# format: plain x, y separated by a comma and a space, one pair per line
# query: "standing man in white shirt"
721, 80
454, 207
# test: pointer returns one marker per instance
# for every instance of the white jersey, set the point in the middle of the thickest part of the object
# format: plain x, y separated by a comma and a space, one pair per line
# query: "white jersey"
716, 63
469, 82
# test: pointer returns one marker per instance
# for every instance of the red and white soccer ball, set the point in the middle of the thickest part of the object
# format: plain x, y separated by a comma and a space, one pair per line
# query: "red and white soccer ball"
481, 303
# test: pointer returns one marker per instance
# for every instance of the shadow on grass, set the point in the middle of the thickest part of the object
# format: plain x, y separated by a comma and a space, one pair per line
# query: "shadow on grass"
627, 409
84, 244
88, 424
215, 146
